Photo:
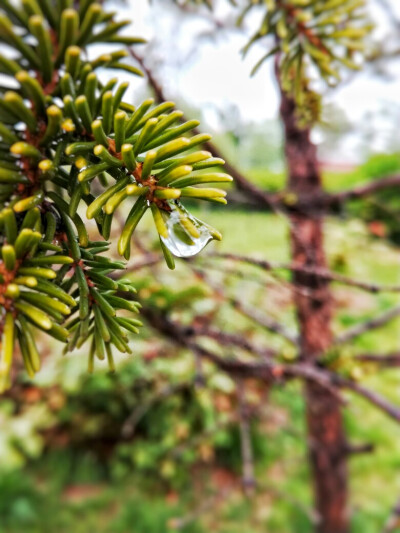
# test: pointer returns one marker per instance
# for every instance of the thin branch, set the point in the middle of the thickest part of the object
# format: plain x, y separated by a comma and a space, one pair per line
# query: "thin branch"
199, 378
276, 372
266, 370
206, 505
373, 397
322, 202
393, 521
264, 321
360, 191
318, 272
248, 477
311, 514
357, 449
239, 341
269, 371
369, 325
390, 360
130, 424
250, 312
206, 266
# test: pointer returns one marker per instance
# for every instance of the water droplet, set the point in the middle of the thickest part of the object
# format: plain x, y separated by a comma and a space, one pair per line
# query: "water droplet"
187, 235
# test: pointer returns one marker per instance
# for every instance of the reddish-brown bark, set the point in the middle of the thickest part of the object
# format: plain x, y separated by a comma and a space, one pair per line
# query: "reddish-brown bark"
326, 437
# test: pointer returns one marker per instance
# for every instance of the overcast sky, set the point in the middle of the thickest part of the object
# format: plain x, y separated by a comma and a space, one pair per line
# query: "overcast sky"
217, 72
213, 74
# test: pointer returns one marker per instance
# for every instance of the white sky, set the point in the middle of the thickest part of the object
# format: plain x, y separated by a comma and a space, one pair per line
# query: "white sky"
217, 74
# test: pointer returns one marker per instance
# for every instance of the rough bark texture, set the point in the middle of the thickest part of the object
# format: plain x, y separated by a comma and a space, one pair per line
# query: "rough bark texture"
326, 438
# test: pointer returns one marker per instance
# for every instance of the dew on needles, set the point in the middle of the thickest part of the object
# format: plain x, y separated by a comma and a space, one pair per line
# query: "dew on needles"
186, 234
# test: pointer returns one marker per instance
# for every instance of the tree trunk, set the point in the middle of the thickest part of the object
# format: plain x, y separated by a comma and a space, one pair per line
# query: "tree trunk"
326, 438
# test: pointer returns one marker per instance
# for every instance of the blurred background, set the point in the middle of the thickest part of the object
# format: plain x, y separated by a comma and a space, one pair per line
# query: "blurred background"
162, 445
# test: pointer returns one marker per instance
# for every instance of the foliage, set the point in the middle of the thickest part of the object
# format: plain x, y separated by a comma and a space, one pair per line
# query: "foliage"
24, 509
325, 34
69, 139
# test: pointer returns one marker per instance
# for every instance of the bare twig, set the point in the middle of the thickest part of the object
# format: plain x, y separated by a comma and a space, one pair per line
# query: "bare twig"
361, 191
367, 326
393, 522
130, 424
318, 272
390, 360
239, 341
373, 397
266, 322
357, 449
206, 505
267, 370
270, 371
248, 478
311, 514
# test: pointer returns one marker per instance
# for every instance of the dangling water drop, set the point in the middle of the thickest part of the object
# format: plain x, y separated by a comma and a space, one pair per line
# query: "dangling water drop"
187, 235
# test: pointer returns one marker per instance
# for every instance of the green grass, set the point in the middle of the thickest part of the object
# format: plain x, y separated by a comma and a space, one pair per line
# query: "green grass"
112, 508
254, 233
332, 181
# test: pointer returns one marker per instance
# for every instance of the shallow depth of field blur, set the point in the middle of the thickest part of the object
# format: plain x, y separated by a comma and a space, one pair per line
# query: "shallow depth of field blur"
148, 450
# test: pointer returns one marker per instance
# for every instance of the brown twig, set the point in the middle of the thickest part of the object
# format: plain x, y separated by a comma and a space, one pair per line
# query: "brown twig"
264, 321
311, 514
390, 360
367, 189
373, 397
369, 325
248, 476
266, 370
130, 424
357, 449
260, 318
206, 505
238, 341
318, 272
393, 521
